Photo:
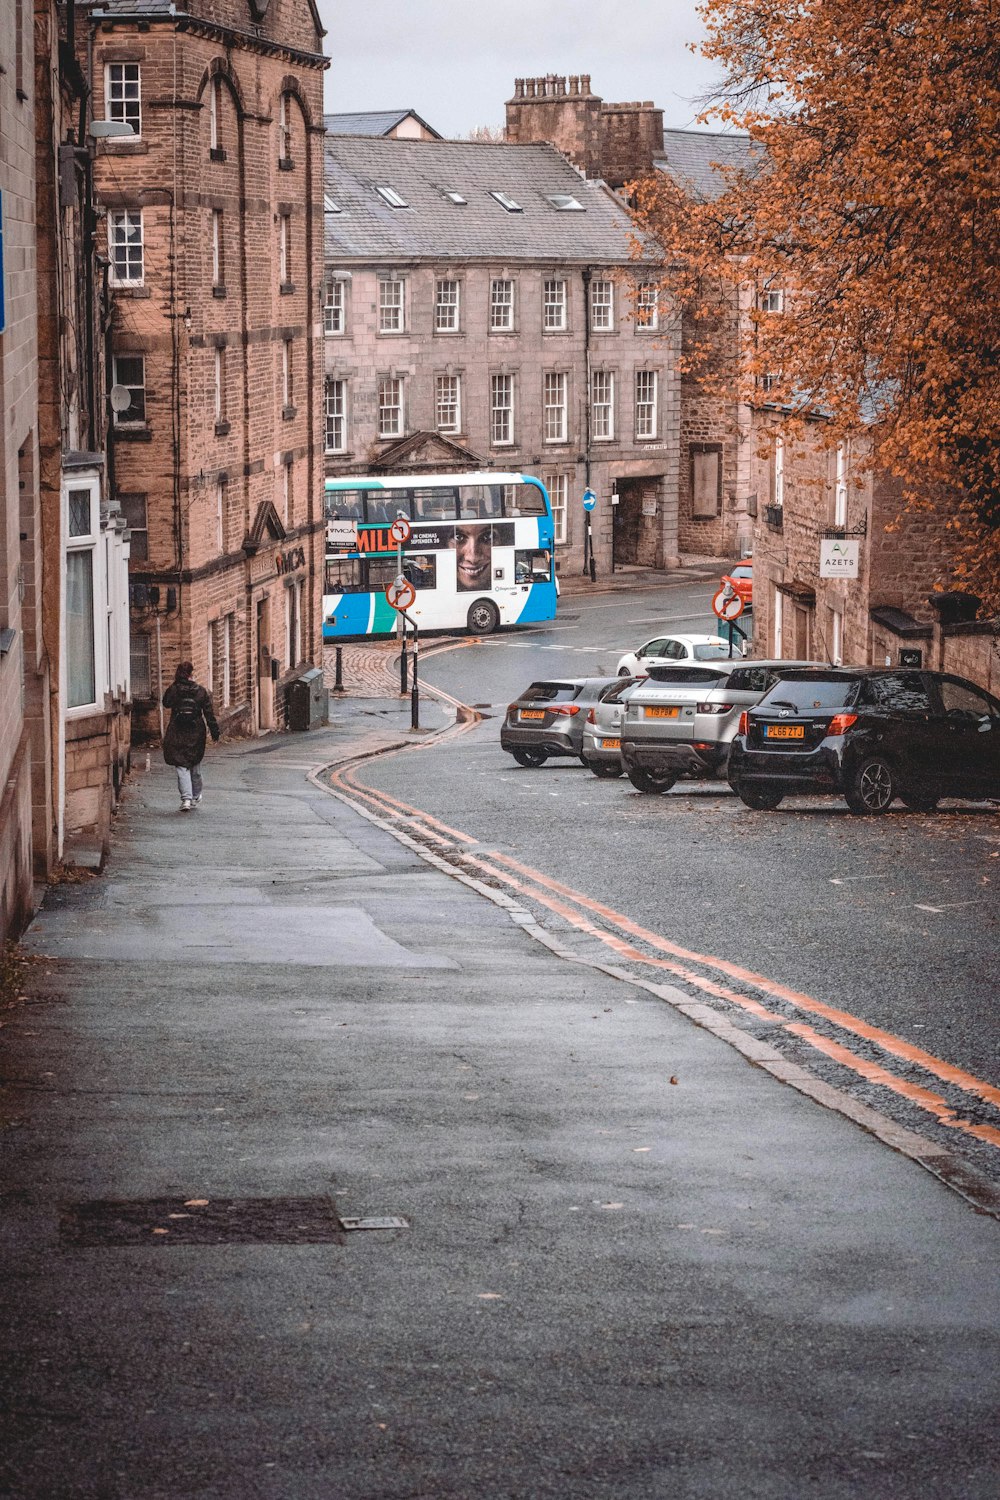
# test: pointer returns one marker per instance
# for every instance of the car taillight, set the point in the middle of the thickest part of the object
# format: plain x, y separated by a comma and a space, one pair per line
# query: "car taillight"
714, 708
591, 717
565, 708
841, 723
744, 724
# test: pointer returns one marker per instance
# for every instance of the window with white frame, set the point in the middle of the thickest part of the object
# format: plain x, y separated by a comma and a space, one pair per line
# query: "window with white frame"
218, 260
602, 405
391, 305
840, 485
602, 306
285, 249
554, 305
123, 94
334, 311
336, 416
501, 305
777, 623
220, 515
287, 373
645, 403
446, 306
778, 472
125, 248
284, 130
836, 637
215, 115
448, 403
390, 406
558, 488
219, 394
554, 387
287, 492
84, 642
501, 410
129, 371
647, 306
772, 300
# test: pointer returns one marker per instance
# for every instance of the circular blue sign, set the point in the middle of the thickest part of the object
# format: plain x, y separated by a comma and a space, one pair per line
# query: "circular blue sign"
589, 499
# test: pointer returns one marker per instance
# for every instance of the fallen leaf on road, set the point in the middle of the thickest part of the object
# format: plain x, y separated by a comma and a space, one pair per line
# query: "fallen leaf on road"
642, 1148
195, 1202
674, 1078
490, 1297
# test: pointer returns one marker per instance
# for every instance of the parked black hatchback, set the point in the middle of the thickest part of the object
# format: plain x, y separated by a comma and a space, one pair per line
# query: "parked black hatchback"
869, 734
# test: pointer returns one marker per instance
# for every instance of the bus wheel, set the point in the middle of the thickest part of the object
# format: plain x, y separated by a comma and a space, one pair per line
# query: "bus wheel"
483, 618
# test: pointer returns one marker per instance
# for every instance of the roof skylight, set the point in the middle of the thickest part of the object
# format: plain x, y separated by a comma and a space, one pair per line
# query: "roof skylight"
455, 198
566, 203
505, 201
389, 194
330, 205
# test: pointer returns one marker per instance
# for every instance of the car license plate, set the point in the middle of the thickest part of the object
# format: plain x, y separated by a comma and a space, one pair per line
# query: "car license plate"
611, 744
531, 713
784, 731
662, 713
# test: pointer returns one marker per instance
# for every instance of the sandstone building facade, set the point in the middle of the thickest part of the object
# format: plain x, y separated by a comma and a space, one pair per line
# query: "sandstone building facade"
212, 224
479, 313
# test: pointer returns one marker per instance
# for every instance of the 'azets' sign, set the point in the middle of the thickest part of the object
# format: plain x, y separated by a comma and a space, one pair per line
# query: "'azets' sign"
839, 558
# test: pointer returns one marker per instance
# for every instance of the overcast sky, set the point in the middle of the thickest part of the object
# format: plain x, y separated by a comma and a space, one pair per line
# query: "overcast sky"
455, 61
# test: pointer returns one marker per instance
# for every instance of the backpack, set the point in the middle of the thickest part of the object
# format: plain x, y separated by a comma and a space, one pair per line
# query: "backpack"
187, 713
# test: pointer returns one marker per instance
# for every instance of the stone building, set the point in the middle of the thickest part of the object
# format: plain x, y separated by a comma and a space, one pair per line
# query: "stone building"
212, 227
479, 313
401, 124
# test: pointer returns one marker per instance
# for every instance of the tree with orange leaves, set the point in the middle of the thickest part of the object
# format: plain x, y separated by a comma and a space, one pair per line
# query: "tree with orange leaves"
871, 204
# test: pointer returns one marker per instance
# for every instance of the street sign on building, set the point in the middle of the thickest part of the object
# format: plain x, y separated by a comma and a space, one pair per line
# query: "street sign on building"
343, 534
839, 558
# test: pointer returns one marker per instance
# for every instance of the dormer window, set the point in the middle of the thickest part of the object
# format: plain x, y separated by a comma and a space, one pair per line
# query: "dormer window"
390, 196
505, 201
565, 203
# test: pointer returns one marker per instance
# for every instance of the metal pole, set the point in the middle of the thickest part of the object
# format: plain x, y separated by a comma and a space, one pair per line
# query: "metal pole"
401, 619
159, 671
338, 681
590, 540
415, 694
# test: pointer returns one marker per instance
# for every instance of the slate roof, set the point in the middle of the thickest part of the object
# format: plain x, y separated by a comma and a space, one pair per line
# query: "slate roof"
422, 172
138, 8
692, 158
373, 122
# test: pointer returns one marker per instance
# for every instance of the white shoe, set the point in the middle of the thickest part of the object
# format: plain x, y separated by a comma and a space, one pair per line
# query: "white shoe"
197, 801
186, 804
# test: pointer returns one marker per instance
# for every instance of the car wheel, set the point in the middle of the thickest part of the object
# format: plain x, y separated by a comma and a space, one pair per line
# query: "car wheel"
872, 786
483, 617
760, 798
604, 771
919, 801
624, 672
651, 781
526, 756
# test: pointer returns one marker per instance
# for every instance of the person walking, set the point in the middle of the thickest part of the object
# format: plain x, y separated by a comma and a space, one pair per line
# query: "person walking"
191, 713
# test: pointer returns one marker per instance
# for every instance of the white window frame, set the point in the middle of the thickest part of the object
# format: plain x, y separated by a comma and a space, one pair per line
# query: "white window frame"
214, 101
502, 411
334, 307
119, 104
555, 301
555, 402
448, 399
840, 485
287, 497
284, 130
87, 543
778, 623
220, 515
447, 305
228, 655
647, 307
772, 300
122, 419
778, 472
502, 304
121, 224
557, 484
602, 405
602, 312
285, 249
220, 383
647, 401
390, 386
218, 260
287, 373
836, 636
335, 415
391, 305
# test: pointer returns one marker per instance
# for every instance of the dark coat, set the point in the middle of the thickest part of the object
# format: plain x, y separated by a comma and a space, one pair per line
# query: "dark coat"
184, 744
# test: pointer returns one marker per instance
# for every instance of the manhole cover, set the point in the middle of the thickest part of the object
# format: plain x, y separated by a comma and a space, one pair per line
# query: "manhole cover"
202, 1221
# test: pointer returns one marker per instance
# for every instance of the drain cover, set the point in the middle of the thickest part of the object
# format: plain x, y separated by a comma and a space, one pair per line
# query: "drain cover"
202, 1221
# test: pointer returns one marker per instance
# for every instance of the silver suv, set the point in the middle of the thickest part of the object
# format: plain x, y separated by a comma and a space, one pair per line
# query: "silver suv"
684, 725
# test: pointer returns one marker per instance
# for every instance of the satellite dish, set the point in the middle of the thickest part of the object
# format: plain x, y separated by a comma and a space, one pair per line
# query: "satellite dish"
121, 398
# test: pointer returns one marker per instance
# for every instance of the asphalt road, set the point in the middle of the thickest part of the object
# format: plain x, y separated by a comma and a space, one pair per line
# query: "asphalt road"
893, 920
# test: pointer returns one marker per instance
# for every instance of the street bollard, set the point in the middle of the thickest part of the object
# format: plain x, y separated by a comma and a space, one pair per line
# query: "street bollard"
338, 681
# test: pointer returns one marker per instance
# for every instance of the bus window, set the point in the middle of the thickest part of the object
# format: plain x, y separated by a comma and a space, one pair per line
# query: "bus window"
532, 567
434, 504
421, 571
523, 500
381, 572
343, 505
382, 506
344, 576
480, 502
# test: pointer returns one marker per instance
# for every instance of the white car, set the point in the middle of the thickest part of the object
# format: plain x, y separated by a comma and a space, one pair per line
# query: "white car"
665, 649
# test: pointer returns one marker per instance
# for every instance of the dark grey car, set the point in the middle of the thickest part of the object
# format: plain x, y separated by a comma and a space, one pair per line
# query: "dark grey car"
548, 718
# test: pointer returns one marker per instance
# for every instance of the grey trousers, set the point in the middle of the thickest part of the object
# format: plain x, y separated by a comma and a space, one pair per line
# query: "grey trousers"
188, 782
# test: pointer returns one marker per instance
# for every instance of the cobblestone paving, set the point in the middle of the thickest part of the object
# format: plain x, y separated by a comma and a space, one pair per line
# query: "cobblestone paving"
368, 670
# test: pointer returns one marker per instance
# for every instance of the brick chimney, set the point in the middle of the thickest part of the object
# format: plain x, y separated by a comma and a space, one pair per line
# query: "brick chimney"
617, 142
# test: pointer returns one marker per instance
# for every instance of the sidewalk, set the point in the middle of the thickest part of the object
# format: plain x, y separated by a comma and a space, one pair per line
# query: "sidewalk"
628, 577
269, 1018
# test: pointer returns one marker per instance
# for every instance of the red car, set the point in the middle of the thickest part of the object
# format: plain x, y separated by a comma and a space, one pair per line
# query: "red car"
741, 578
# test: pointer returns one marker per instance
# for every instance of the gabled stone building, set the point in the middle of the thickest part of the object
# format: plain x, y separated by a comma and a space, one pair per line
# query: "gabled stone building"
212, 227
479, 313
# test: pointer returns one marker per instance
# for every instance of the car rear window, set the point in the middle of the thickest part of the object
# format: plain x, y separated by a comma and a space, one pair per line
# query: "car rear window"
712, 652
552, 692
804, 694
613, 693
687, 674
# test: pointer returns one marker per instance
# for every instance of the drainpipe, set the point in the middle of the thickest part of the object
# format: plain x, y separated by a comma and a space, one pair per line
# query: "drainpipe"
588, 546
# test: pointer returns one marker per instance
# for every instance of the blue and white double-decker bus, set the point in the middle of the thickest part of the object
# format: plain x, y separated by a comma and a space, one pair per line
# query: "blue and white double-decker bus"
480, 552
